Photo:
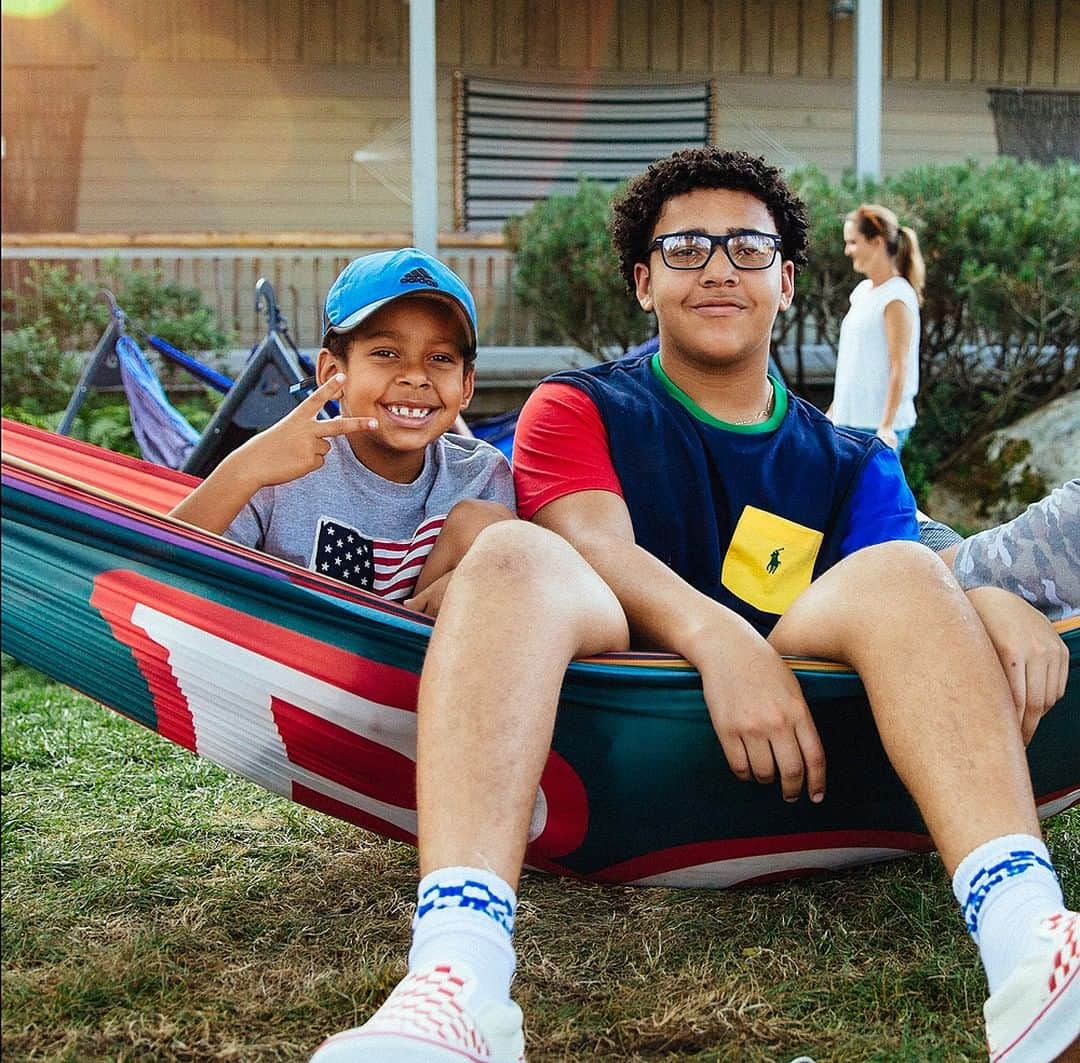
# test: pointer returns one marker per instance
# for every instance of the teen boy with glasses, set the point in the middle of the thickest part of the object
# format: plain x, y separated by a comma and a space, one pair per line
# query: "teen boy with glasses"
733, 524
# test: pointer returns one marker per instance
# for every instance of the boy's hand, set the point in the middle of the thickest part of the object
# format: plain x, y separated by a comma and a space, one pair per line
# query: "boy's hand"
429, 600
298, 443
1035, 659
755, 703
759, 712
294, 446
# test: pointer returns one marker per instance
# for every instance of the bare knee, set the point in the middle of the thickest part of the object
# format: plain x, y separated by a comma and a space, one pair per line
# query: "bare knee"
519, 554
544, 574
898, 570
894, 587
475, 514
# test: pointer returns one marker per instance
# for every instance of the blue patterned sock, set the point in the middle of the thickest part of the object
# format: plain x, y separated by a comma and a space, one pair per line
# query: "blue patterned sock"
466, 914
1004, 887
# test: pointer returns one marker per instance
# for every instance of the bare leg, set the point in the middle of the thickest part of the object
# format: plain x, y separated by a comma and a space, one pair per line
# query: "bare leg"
522, 604
939, 696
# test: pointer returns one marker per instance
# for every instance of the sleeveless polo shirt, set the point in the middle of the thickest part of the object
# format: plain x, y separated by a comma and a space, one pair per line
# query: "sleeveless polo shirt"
748, 518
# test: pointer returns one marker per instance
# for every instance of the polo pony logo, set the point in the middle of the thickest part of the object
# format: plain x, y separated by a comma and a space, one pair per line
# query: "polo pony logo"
774, 560
419, 276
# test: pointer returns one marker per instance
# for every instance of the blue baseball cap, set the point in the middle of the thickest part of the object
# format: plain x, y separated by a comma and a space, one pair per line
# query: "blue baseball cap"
368, 283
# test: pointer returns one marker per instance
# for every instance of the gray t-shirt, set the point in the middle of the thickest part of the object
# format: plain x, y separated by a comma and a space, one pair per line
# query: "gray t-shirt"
344, 520
1036, 555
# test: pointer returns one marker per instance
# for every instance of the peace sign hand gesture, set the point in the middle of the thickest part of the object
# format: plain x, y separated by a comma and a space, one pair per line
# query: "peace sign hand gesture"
299, 442
292, 448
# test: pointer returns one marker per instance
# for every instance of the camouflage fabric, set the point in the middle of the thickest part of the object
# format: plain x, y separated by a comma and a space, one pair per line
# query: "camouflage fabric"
1037, 555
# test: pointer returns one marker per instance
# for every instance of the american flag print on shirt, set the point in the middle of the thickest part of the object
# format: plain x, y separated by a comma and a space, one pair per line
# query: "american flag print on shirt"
387, 567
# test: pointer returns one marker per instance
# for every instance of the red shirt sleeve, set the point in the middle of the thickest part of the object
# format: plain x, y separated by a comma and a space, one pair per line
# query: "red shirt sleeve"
560, 448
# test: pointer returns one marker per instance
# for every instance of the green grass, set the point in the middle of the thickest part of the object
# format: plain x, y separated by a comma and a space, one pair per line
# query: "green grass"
156, 908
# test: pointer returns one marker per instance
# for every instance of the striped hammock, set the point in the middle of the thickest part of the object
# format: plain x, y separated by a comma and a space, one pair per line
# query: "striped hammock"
308, 687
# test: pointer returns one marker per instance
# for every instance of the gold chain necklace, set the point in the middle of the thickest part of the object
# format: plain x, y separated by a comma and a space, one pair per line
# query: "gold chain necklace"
764, 415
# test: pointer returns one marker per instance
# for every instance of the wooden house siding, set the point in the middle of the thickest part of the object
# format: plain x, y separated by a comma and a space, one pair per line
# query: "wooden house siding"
209, 146
1013, 42
244, 115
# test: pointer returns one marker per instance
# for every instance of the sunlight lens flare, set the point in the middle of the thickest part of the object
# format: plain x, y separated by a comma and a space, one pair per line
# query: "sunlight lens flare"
32, 8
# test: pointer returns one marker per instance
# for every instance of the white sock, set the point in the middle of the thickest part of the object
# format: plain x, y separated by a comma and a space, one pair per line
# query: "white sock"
466, 914
1004, 887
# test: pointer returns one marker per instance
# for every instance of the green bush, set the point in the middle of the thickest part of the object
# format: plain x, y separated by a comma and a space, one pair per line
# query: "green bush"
167, 309
54, 314
566, 272
1000, 320
35, 374
823, 286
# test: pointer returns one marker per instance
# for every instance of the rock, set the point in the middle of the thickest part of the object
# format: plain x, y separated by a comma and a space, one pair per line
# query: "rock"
1018, 465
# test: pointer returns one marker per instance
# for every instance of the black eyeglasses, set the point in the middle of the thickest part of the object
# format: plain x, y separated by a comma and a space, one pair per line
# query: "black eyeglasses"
694, 250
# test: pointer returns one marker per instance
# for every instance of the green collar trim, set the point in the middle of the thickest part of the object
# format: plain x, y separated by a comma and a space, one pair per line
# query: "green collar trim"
780, 404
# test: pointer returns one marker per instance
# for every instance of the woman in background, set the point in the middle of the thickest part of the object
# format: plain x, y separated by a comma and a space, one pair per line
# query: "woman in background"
877, 363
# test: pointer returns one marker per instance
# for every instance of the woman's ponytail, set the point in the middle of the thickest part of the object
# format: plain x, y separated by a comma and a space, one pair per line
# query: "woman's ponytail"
909, 260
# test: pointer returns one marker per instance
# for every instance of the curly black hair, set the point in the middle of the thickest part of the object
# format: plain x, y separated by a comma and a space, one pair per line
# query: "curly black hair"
634, 213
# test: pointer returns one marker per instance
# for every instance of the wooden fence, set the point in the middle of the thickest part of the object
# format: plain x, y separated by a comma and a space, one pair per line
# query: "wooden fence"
301, 269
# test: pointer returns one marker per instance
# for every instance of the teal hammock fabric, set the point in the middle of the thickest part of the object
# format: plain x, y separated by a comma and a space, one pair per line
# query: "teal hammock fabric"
308, 687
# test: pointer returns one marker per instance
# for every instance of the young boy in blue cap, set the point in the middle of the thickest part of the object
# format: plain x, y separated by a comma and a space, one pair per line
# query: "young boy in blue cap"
379, 497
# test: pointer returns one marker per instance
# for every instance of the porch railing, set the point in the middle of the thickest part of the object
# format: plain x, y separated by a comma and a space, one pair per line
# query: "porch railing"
300, 266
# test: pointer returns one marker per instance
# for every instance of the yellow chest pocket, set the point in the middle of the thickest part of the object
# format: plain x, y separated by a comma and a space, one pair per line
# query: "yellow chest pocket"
770, 561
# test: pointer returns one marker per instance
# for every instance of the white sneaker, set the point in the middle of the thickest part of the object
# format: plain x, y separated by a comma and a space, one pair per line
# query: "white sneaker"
1035, 1015
427, 1019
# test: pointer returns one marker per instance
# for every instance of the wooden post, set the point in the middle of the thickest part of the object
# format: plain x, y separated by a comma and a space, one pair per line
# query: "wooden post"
422, 129
868, 88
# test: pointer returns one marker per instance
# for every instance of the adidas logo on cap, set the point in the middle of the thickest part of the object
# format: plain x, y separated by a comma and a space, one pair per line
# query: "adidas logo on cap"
419, 276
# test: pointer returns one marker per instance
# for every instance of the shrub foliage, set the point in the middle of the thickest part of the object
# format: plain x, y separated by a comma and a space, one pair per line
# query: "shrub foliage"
54, 314
567, 274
